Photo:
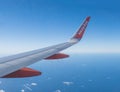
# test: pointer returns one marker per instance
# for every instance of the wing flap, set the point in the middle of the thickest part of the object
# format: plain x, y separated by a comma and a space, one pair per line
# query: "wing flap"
24, 72
57, 56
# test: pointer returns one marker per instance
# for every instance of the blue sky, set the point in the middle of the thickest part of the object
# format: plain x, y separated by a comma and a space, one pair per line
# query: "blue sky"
32, 24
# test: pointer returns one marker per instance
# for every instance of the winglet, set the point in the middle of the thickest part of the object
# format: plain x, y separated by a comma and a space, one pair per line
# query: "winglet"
81, 30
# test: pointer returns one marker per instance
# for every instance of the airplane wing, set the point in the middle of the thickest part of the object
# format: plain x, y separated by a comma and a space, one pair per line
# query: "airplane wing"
15, 66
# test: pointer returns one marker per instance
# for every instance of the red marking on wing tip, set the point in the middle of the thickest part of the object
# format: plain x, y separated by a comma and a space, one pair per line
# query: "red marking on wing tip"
79, 35
88, 18
81, 30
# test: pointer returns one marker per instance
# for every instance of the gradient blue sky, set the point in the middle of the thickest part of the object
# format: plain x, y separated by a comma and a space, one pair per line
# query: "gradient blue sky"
31, 24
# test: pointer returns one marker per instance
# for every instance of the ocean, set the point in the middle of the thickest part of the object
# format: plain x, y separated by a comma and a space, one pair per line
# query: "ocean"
78, 73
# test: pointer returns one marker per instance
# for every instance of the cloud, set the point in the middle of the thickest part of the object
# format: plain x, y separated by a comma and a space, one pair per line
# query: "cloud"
108, 78
90, 80
58, 90
49, 78
82, 86
27, 86
2, 90
34, 84
0, 82
67, 83
22, 90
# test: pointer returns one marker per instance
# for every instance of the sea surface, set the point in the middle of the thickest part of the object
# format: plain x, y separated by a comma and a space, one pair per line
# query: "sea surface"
78, 73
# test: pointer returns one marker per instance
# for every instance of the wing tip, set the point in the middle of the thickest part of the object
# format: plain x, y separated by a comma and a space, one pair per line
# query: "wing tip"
82, 28
88, 18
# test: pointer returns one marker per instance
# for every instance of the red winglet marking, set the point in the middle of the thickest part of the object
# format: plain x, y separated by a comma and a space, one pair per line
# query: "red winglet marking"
81, 30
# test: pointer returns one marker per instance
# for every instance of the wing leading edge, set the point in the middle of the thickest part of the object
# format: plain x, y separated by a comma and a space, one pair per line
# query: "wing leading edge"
14, 63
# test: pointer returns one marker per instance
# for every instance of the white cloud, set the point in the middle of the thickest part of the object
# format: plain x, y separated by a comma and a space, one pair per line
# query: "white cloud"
82, 86
67, 83
34, 84
108, 78
22, 90
27, 84
90, 80
2, 90
49, 78
28, 87
0, 82
58, 90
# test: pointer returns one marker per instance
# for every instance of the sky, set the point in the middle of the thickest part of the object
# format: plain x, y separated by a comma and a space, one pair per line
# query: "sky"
31, 24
